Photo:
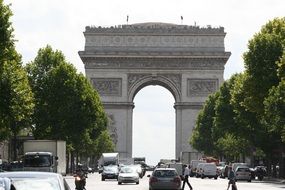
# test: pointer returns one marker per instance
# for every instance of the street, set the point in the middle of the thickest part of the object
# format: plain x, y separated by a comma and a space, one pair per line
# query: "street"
94, 183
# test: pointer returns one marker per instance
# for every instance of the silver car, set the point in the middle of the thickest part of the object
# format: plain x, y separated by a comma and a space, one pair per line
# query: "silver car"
128, 175
36, 180
164, 178
243, 173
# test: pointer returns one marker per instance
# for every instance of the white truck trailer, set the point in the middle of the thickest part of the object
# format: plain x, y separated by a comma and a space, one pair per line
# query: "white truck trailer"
45, 155
109, 159
126, 161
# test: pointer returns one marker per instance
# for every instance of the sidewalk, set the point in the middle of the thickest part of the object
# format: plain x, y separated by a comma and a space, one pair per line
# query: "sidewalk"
275, 180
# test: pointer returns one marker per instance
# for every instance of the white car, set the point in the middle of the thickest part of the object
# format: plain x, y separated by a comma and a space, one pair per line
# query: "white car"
243, 173
128, 175
36, 180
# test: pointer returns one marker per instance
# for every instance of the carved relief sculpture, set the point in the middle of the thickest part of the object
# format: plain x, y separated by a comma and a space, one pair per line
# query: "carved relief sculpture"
108, 86
201, 87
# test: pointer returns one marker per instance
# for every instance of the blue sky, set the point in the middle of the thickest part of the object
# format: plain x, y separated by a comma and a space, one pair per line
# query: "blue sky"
61, 25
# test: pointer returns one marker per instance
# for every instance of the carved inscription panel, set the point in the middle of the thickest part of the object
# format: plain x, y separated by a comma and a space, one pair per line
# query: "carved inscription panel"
201, 87
108, 86
157, 41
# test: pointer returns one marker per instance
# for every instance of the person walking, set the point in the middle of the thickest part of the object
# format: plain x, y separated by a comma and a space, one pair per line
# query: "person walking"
186, 176
232, 179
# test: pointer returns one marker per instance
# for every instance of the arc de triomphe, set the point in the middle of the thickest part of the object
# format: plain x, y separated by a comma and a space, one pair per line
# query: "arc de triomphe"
187, 60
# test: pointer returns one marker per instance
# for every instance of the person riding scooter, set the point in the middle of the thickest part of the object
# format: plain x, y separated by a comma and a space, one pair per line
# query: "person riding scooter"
80, 179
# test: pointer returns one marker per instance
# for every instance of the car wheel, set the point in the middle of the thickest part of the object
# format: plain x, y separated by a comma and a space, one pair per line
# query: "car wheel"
103, 179
137, 182
249, 180
119, 183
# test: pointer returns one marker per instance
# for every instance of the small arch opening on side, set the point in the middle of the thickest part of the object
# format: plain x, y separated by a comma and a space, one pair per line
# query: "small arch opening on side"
154, 124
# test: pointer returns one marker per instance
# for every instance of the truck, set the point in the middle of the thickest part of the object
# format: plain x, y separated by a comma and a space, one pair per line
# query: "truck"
109, 159
126, 161
186, 157
45, 155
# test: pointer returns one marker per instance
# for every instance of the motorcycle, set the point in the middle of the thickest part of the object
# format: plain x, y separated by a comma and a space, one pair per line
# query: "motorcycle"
260, 173
80, 181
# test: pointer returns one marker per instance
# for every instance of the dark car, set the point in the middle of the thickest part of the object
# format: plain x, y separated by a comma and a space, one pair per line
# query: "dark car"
164, 178
110, 172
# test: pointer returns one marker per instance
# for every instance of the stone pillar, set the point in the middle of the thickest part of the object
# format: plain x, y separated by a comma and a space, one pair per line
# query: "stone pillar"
120, 126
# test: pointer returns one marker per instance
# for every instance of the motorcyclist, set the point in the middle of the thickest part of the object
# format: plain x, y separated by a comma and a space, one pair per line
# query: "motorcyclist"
80, 178
260, 173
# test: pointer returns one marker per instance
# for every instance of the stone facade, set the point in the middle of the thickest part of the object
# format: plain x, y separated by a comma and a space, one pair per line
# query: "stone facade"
187, 60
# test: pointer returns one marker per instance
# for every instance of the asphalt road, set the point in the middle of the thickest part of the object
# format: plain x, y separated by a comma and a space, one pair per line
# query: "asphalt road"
94, 183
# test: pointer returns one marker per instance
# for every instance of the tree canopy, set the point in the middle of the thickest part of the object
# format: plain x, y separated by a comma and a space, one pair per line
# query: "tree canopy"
16, 98
67, 106
249, 108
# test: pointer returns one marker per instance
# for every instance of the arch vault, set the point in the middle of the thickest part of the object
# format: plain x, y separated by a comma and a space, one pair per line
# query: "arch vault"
187, 60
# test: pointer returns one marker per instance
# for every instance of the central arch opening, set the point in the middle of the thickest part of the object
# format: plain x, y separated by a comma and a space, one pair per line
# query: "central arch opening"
154, 124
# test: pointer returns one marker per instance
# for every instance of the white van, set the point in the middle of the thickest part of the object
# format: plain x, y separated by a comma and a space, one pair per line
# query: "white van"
194, 164
199, 169
209, 170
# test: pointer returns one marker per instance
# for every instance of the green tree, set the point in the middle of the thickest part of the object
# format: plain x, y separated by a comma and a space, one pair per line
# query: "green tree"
275, 110
226, 126
7, 41
67, 106
104, 143
265, 50
232, 146
262, 66
16, 98
224, 120
201, 138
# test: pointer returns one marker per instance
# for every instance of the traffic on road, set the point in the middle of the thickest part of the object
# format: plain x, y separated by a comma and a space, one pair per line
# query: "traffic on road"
94, 182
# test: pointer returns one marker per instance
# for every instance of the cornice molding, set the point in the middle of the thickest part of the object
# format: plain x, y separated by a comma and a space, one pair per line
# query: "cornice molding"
156, 28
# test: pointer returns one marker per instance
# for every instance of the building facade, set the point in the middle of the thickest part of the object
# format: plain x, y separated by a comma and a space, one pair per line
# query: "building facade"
121, 60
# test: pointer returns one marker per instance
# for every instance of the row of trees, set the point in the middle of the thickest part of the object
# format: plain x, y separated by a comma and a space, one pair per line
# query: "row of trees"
48, 97
246, 116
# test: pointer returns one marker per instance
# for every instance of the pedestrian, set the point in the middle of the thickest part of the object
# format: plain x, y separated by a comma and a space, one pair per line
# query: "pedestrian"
232, 179
186, 176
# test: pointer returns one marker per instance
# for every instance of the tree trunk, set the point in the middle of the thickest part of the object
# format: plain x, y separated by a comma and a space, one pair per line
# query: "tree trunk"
72, 162
281, 162
67, 163
14, 146
269, 171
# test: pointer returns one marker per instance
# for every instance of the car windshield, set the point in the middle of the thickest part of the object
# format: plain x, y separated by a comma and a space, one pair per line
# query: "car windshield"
243, 170
164, 173
36, 183
138, 168
127, 170
111, 169
37, 160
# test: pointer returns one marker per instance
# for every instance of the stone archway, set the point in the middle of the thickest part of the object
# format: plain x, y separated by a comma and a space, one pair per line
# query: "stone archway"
187, 60
172, 82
